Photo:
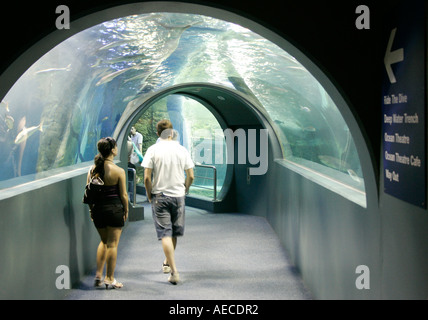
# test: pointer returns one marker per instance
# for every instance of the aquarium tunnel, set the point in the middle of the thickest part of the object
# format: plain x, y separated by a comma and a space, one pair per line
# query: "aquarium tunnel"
245, 102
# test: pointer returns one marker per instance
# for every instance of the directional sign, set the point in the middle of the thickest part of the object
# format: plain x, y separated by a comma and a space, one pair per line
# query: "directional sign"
403, 105
392, 56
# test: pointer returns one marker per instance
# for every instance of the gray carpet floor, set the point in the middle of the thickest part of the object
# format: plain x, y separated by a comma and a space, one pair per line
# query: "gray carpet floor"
220, 257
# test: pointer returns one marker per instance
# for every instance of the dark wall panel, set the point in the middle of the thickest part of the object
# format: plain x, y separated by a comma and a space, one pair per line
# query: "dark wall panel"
41, 230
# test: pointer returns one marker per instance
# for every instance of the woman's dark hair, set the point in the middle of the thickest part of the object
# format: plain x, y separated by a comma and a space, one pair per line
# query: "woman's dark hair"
105, 146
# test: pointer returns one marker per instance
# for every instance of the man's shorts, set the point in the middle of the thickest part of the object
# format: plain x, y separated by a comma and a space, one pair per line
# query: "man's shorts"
168, 215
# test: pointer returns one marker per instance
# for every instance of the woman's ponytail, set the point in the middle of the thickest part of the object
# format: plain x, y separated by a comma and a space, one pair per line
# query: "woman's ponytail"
99, 166
105, 146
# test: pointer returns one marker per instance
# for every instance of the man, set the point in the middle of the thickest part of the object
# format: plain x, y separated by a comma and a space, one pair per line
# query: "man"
168, 161
137, 139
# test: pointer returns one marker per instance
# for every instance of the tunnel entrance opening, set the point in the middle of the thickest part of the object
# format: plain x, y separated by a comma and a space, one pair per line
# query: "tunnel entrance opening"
215, 124
198, 131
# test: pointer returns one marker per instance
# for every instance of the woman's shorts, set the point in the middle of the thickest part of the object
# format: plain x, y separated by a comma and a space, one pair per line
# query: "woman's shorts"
168, 215
108, 214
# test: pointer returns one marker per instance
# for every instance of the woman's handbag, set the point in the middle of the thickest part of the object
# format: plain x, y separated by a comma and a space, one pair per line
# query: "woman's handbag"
136, 156
135, 160
93, 190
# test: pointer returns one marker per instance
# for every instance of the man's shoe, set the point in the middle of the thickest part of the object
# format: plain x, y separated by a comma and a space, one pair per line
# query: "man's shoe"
166, 268
174, 278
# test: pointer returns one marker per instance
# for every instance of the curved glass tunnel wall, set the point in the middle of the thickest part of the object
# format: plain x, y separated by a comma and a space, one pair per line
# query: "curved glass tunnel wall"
76, 93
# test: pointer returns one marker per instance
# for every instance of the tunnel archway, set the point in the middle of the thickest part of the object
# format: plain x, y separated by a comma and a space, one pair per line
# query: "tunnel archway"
229, 107
329, 93
313, 222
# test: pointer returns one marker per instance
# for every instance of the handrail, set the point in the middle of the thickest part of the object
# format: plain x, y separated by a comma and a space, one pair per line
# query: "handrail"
215, 179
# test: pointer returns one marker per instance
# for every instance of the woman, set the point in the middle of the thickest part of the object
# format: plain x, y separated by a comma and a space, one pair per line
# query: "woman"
110, 210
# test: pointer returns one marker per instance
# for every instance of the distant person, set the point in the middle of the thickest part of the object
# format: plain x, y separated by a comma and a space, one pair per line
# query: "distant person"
137, 139
131, 174
168, 161
130, 149
110, 210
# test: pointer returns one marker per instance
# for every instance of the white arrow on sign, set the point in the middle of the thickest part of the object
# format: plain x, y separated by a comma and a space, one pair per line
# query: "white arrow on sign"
392, 57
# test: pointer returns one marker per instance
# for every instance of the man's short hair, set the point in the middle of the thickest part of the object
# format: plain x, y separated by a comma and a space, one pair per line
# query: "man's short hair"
163, 125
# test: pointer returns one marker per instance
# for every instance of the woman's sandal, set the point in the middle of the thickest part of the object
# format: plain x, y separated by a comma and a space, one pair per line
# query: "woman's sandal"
98, 282
113, 284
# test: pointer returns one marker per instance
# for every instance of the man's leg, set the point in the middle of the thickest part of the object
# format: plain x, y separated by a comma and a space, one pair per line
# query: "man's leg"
164, 216
168, 245
177, 219
174, 242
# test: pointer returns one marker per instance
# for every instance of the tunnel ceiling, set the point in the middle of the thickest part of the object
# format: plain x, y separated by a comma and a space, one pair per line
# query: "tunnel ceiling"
77, 92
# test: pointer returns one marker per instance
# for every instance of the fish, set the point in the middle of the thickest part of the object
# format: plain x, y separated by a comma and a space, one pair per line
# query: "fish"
142, 75
25, 133
114, 44
6, 105
354, 175
97, 63
18, 166
127, 58
111, 76
288, 58
67, 68
129, 98
9, 122
296, 68
333, 162
176, 27
309, 129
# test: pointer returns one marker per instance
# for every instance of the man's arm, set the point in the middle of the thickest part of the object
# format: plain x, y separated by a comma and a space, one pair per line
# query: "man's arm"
189, 179
148, 183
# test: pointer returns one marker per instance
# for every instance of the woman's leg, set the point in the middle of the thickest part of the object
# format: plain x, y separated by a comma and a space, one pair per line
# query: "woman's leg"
101, 253
113, 236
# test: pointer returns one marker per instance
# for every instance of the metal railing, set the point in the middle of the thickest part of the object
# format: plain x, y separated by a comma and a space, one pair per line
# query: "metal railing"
214, 179
132, 185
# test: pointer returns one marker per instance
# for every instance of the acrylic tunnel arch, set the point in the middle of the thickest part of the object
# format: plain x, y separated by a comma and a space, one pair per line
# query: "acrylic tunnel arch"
229, 108
294, 64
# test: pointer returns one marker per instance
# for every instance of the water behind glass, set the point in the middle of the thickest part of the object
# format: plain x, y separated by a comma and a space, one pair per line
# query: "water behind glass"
76, 93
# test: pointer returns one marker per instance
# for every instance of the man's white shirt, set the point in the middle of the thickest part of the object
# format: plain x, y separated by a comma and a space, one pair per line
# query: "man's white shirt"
169, 160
